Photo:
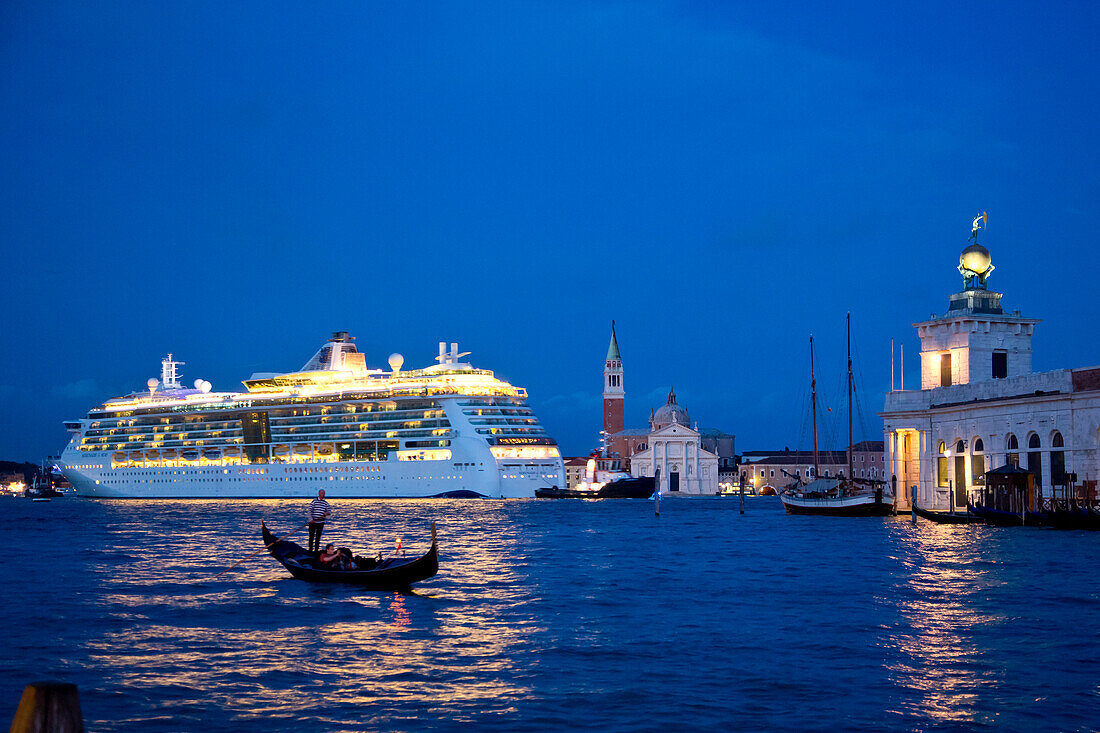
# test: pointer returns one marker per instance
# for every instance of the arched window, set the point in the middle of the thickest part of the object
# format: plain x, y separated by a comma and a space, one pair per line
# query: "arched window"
1012, 455
1057, 460
977, 462
960, 447
941, 465
1035, 459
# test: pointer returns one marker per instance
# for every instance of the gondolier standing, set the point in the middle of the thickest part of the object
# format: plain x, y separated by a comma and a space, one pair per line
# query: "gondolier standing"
318, 512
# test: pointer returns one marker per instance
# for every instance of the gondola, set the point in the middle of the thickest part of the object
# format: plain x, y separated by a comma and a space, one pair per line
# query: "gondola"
1002, 518
947, 517
393, 573
1070, 516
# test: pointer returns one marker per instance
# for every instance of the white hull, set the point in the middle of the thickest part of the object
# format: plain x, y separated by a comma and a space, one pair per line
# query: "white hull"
356, 479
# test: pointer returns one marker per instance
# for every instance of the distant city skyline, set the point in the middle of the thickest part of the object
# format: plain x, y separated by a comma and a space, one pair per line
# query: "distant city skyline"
233, 184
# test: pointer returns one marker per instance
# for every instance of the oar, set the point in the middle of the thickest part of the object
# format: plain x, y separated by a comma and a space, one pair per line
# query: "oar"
257, 552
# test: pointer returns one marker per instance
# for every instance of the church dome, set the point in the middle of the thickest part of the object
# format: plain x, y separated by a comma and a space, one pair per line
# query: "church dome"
670, 413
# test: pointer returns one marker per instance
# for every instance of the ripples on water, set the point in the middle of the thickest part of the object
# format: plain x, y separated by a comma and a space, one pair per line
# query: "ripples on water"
550, 615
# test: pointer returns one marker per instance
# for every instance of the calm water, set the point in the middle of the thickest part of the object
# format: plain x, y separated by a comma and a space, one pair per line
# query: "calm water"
552, 615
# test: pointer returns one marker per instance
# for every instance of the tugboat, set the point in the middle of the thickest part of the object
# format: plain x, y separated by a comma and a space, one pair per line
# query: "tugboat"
603, 484
42, 489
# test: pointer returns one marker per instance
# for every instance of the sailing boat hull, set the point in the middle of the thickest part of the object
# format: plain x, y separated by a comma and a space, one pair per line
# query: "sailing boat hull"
845, 506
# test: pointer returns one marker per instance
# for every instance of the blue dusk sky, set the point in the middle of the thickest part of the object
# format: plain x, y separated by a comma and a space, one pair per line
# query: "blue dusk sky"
232, 182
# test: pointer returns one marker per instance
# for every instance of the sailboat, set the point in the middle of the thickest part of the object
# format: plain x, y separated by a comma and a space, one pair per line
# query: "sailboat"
844, 496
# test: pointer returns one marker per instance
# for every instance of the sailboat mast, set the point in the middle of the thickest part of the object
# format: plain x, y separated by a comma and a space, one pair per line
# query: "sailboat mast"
850, 471
813, 402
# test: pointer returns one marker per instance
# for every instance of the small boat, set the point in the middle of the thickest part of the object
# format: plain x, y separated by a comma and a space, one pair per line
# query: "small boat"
947, 517
1070, 516
835, 497
303, 449
212, 454
189, 455
632, 487
841, 496
394, 573
1003, 518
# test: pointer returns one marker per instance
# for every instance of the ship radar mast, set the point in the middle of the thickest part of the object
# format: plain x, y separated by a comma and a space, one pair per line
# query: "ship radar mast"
169, 375
452, 356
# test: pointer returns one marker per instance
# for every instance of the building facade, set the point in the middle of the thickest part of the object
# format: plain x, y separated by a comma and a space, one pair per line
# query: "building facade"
575, 471
675, 456
980, 406
767, 472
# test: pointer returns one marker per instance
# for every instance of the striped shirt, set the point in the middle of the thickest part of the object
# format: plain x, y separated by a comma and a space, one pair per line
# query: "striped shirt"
318, 508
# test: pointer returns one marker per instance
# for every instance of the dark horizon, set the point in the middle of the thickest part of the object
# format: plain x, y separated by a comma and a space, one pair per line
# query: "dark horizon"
234, 184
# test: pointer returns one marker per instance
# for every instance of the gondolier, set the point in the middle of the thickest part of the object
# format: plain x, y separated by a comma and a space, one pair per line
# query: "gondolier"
318, 512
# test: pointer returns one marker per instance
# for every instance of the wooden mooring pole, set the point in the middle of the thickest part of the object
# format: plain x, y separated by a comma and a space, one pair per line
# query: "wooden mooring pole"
52, 707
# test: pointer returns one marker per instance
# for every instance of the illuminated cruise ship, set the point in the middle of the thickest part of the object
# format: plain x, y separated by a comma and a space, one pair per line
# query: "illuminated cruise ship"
446, 430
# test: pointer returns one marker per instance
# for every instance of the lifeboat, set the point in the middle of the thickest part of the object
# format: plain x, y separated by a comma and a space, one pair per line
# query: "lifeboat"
303, 449
280, 450
118, 457
232, 452
168, 455
152, 455
137, 456
324, 450
189, 455
212, 454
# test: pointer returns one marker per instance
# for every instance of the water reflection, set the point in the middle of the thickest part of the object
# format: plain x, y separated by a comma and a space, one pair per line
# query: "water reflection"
553, 616
282, 644
939, 661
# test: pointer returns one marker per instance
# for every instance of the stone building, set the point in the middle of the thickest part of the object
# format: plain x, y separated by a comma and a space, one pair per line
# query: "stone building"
980, 405
674, 455
575, 470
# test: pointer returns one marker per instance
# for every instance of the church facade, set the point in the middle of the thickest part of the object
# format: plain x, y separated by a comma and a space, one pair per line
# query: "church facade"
981, 406
669, 449
675, 456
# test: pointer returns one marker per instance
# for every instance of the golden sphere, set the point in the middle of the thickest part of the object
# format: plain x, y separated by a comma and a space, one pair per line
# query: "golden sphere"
975, 258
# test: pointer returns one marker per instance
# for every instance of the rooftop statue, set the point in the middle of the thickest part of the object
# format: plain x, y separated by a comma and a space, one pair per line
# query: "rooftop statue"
975, 264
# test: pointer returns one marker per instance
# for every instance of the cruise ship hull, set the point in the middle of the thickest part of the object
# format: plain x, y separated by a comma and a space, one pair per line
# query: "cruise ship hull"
384, 479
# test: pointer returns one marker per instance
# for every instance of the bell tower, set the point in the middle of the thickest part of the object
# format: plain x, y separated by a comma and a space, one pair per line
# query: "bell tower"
613, 393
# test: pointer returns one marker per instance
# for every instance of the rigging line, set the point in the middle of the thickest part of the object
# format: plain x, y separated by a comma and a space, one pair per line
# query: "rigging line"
858, 385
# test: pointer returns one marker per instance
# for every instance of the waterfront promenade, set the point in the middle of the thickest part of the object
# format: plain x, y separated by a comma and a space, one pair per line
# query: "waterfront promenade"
553, 615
